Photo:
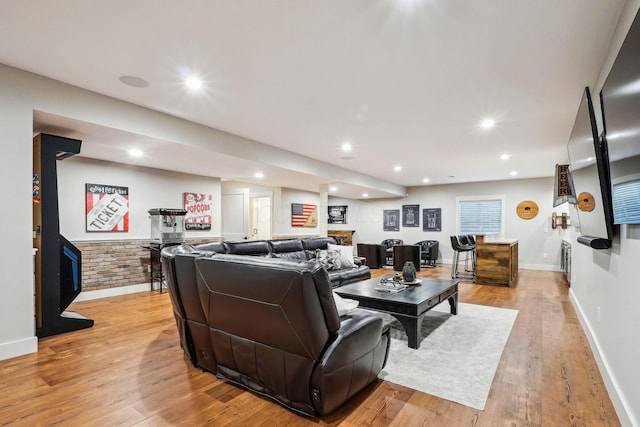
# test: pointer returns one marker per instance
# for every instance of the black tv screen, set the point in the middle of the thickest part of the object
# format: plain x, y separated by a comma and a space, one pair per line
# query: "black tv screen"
620, 102
589, 171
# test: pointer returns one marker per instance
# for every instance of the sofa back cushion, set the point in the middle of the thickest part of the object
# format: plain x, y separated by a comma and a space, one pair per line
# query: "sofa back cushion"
217, 247
290, 249
249, 247
281, 304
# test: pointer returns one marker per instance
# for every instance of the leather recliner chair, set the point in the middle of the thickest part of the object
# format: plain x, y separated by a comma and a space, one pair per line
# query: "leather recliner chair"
275, 330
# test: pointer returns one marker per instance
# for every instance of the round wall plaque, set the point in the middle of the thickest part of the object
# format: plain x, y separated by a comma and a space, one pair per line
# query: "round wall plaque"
527, 209
586, 202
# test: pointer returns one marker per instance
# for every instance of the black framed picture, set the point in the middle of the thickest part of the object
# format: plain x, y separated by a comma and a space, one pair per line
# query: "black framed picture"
337, 214
432, 219
391, 220
411, 215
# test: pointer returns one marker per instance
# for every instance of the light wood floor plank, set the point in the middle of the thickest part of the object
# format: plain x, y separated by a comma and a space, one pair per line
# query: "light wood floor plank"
128, 370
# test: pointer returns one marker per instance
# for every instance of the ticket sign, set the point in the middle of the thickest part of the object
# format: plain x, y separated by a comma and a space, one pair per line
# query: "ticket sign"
107, 208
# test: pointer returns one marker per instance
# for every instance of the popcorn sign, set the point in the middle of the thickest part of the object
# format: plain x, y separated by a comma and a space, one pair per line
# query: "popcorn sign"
199, 209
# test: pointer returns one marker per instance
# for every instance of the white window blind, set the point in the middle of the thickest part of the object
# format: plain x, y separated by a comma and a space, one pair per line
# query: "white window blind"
480, 216
626, 202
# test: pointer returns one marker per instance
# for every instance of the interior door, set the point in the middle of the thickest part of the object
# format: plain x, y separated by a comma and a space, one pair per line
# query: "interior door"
260, 218
235, 215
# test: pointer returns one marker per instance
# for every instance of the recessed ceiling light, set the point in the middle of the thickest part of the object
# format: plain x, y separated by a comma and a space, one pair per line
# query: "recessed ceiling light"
193, 83
513, 173
505, 156
347, 147
259, 175
397, 168
425, 180
365, 194
488, 123
134, 152
134, 81
333, 189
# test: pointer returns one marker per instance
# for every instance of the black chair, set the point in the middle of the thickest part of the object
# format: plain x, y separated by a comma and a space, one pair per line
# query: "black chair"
458, 247
374, 254
428, 252
390, 243
404, 253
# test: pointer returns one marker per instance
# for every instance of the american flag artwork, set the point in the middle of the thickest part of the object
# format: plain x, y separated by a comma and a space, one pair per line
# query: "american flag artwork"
304, 215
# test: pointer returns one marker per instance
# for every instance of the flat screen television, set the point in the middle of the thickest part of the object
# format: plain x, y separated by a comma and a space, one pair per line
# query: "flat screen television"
620, 104
589, 170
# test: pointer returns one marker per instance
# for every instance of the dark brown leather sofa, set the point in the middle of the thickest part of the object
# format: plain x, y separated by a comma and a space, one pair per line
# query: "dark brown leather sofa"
271, 325
291, 249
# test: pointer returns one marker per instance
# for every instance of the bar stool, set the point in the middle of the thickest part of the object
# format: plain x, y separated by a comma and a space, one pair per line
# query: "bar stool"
458, 247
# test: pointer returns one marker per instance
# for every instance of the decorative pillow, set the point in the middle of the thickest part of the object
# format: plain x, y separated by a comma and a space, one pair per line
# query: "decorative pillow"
346, 255
344, 305
329, 259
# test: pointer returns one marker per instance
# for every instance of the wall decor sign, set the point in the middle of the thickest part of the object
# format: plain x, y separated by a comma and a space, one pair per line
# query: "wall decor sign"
304, 215
199, 209
391, 220
411, 215
337, 214
432, 219
527, 209
106, 207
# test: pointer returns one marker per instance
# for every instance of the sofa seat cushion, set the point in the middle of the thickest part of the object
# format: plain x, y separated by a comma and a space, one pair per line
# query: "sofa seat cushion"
349, 275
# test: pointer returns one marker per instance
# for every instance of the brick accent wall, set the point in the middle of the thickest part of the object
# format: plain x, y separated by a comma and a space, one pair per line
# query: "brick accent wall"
115, 263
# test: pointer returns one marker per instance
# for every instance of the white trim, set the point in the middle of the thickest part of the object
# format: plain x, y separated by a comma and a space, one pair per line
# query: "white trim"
112, 292
18, 348
618, 399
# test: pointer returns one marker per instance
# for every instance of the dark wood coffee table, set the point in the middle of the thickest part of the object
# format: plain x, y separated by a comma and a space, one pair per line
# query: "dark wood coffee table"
408, 306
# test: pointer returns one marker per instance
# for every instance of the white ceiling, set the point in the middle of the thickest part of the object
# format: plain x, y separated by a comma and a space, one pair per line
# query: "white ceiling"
406, 81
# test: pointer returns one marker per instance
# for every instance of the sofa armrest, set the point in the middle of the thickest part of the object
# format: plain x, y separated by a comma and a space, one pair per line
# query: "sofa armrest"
352, 361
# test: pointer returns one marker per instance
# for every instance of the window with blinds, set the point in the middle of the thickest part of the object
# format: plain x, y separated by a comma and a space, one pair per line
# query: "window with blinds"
480, 215
626, 202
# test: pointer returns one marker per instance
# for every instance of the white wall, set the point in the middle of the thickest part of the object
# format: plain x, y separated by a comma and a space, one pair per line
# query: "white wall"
148, 188
536, 237
282, 212
607, 282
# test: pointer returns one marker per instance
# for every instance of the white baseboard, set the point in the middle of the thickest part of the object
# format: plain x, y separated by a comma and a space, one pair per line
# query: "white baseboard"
18, 348
618, 399
112, 292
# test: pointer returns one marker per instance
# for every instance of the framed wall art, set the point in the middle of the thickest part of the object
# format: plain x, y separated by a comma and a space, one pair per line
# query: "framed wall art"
304, 215
106, 207
337, 214
391, 220
432, 219
199, 209
411, 215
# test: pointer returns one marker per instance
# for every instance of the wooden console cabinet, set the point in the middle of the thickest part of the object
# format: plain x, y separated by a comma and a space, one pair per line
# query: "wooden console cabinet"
496, 261
343, 237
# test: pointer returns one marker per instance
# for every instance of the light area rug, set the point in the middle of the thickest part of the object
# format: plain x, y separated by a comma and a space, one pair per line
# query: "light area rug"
458, 355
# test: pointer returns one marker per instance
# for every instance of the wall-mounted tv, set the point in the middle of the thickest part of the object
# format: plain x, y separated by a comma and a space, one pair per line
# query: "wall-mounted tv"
620, 102
589, 169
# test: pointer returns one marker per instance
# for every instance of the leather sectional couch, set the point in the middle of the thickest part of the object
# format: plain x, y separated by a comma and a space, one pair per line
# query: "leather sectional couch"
271, 325
291, 249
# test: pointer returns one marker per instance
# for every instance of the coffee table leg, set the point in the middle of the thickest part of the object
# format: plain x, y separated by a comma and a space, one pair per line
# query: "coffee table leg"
453, 302
411, 326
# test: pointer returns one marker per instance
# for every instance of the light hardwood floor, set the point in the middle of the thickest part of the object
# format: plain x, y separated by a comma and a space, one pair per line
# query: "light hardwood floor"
129, 370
